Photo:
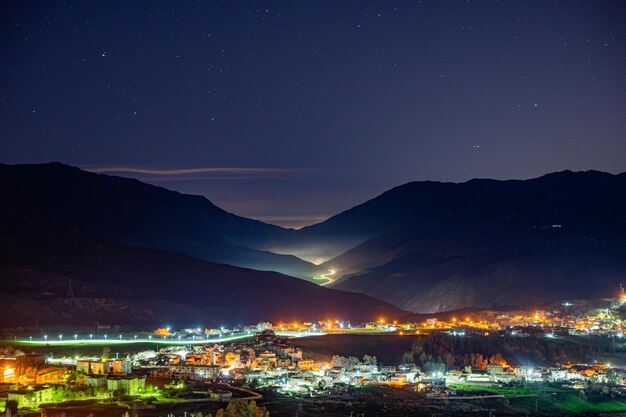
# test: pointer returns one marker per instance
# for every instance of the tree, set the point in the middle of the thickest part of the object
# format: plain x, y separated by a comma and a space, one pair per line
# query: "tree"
612, 378
477, 361
339, 361
11, 407
352, 362
369, 360
407, 357
498, 360
434, 368
242, 408
254, 384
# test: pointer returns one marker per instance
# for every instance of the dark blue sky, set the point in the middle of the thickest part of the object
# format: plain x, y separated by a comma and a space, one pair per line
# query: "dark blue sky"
318, 105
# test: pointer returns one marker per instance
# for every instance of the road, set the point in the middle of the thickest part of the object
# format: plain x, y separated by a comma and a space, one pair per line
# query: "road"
198, 340
326, 277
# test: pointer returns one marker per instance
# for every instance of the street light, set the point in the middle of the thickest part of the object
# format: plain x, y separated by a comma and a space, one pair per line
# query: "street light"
60, 337
105, 337
75, 336
45, 337
90, 337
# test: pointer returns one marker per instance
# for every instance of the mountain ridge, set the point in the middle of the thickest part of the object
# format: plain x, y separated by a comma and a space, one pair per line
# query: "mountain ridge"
54, 198
117, 283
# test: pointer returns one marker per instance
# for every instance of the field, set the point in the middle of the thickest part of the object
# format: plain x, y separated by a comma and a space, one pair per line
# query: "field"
547, 400
387, 348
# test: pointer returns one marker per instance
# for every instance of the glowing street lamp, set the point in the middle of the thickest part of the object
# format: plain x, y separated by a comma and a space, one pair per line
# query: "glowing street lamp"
90, 337
45, 337
105, 337
75, 337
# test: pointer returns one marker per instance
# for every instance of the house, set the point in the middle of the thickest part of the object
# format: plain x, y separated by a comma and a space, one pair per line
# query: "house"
32, 396
93, 367
51, 374
195, 371
388, 369
129, 385
7, 373
121, 366
96, 381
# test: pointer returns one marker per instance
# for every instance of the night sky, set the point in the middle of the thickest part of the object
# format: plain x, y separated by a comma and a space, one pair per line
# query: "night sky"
313, 106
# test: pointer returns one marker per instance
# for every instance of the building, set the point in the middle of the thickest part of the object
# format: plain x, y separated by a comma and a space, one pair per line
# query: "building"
96, 381
94, 367
8, 386
195, 371
306, 364
51, 374
129, 385
121, 366
7, 374
82, 367
32, 396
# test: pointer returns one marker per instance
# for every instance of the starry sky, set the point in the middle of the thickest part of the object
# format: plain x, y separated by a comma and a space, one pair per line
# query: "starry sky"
291, 111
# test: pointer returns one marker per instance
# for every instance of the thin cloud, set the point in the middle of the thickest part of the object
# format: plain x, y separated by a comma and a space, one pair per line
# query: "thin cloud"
220, 178
187, 171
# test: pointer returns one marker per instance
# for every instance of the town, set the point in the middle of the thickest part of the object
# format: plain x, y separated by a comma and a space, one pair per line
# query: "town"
219, 365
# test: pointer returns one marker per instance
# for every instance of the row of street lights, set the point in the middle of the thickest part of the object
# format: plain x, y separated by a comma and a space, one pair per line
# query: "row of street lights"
60, 337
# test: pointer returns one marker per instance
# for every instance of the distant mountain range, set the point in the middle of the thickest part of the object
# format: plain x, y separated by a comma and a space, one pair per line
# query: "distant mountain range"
442, 246
422, 246
57, 198
73, 279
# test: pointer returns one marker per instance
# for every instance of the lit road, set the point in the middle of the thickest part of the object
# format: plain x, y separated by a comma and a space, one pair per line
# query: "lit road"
197, 340
326, 277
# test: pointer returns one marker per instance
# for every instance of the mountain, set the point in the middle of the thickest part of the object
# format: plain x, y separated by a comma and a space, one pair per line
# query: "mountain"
422, 246
436, 246
559, 269
56, 198
115, 283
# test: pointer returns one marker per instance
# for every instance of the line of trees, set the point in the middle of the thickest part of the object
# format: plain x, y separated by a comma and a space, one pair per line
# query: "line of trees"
440, 352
